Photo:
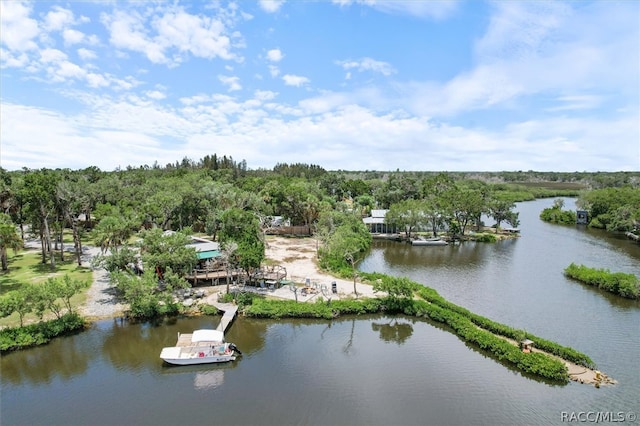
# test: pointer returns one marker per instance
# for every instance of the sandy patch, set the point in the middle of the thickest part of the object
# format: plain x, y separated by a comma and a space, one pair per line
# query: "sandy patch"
299, 257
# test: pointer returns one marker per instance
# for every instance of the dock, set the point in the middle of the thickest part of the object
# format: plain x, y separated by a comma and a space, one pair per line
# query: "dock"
229, 312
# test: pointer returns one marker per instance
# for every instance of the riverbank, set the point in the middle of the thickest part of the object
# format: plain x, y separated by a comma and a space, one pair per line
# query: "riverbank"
299, 257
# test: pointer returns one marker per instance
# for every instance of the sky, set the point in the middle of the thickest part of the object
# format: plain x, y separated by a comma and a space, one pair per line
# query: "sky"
344, 84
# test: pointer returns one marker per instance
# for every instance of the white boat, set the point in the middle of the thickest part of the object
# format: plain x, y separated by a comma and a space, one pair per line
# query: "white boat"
429, 242
200, 347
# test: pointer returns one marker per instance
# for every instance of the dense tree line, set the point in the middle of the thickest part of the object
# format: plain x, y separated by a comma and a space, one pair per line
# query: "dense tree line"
234, 205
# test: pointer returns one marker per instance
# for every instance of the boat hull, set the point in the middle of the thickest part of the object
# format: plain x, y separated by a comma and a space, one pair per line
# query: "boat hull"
196, 361
429, 243
196, 348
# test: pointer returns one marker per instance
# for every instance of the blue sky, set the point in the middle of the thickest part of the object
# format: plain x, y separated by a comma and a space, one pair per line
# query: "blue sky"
345, 84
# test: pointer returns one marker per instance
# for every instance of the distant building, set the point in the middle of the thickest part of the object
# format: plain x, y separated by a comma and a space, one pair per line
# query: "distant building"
582, 217
376, 223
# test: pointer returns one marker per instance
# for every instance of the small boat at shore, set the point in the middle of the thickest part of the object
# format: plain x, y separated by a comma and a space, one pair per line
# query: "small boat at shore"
200, 347
429, 242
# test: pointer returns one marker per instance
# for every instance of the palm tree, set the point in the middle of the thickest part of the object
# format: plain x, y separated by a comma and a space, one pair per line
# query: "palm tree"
9, 239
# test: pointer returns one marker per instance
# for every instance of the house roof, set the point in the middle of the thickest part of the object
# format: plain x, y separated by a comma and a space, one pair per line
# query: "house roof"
379, 213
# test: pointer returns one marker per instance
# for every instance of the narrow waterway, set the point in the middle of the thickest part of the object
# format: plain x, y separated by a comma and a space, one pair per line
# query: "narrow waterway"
365, 370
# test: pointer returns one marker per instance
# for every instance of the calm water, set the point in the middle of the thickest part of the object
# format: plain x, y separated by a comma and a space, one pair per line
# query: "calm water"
366, 370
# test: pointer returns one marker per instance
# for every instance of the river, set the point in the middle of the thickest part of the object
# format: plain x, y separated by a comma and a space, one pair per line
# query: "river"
372, 370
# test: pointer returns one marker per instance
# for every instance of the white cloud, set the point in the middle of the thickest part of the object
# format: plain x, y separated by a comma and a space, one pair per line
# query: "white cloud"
72, 36
576, 102
368, 64
232, 83
271, 6
86, 54
175, 33
18, 29
258, 132
127, 31
96, 80
9, 60
52, 55
294, 80
274, 71
264, 95
518, 29
202, 36
58, 19
155, 94
275, 55
432, 9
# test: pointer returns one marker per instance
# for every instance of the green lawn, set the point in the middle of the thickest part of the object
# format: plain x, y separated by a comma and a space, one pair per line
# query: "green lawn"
26, 267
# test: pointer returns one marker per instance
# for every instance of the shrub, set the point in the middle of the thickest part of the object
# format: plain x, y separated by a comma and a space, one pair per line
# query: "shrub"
486, 238
15, 338
625, 285
557, 215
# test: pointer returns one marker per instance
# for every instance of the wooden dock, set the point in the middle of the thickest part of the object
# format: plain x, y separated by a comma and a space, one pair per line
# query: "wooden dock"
229, 314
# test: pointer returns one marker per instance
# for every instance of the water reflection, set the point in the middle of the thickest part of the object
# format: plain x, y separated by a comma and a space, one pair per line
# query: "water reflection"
209, 376
469, 255
67, 358
395, 330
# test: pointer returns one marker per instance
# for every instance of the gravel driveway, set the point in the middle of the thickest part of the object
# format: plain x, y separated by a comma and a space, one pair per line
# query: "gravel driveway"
101, 301
101, 297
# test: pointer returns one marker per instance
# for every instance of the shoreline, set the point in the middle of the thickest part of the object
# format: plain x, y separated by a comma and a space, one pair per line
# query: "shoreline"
298, 257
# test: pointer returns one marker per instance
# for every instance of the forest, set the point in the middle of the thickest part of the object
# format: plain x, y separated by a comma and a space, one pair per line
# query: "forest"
211, 195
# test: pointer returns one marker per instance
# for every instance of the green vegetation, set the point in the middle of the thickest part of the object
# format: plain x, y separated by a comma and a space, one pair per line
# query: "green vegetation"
40, 333
625, 285
9, 239
613, 209
344, 239
475, 329
53, 296
555, 214
484, 237
263, 308
564, 352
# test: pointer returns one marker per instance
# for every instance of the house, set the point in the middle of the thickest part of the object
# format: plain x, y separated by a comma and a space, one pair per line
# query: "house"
377, 225
206, 250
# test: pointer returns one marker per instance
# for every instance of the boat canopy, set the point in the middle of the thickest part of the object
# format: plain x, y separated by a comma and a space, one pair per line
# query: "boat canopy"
207, 336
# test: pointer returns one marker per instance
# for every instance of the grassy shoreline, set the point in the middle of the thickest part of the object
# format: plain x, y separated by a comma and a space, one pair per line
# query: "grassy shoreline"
479, 331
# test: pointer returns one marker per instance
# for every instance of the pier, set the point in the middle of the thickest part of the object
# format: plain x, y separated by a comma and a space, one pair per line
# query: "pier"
229, 312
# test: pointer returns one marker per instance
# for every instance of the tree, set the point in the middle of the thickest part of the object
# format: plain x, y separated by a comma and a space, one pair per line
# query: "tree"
68, 287
19, 301
9, 239
408, 215
465, 206
434, 190
346, 238
39, 194
111, 232
70, 201
162, 251
395, 287
243, 228
502, 210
